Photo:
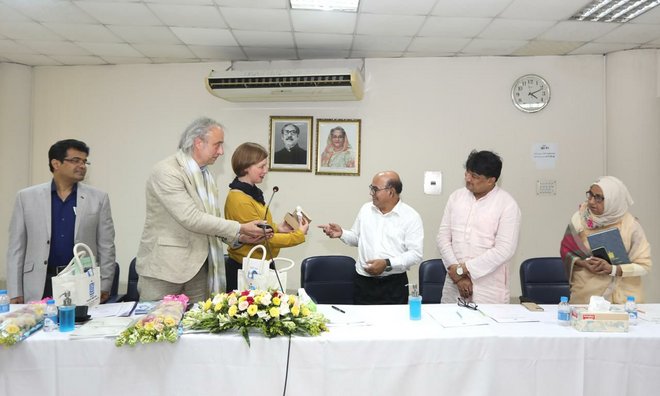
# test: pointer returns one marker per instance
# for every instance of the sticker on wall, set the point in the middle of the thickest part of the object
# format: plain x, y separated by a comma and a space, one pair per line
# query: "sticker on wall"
545, 155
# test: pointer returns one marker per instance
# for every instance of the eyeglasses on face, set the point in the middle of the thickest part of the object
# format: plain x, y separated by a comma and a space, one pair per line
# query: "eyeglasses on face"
462, 303
77, 161
289, 132
596, 197
373, 189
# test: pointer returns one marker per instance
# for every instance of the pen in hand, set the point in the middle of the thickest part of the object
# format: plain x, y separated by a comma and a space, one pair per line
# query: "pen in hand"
338, 309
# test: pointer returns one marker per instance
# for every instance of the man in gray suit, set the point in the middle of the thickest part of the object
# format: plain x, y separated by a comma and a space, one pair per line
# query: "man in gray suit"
180, 251
50, 218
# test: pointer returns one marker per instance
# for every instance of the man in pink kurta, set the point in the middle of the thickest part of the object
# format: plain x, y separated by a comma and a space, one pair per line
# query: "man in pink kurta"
478, 234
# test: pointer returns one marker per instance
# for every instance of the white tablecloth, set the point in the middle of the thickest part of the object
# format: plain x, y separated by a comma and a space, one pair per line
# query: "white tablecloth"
390, 356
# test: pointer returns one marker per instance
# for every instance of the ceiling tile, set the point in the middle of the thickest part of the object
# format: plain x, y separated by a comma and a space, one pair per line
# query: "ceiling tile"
375, 54
32, 60
323, 22
439, 44
120, 13
493, 47
27, 31
196, 2
253, 3
577, 31
651, 16
188, 16
12, 47
397, 7
470, 8
389, 25
8, 14
93, 33
428, 54
453, 27
519, 29
257, 19
601, 48
164, 51
547, 48
51, 11
217, 52
381, 43
55, 47
260, 53
323, 41
257, 39
79, 60
325, 53
145, 34
204, 36
175, 60
631, 33
546, 10
110, 49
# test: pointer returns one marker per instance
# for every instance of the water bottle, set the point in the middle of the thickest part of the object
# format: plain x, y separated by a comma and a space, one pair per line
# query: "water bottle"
4, 301
564, 312
631, 309
50, 316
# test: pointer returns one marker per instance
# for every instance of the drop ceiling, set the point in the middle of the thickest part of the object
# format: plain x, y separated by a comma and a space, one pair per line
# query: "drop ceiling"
91, 32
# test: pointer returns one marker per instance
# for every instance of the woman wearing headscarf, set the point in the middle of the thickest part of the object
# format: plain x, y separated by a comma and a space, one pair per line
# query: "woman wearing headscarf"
606, 207
246, 201
337, 153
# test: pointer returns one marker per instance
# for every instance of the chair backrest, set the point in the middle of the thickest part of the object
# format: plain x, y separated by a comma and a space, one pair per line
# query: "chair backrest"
114, 289
543, 280
431, 280
131, 290
328, 279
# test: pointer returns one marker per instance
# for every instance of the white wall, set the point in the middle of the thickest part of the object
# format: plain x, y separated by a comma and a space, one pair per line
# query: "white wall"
15, 142
417, 114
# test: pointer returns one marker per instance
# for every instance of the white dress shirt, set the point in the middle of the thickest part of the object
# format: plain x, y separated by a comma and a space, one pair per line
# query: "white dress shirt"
483, 234
397, 235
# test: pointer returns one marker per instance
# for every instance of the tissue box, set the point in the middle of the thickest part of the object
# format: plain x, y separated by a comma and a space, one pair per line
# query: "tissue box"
611, 321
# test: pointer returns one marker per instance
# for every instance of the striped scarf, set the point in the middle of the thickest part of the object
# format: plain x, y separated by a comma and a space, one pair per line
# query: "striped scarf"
208, 193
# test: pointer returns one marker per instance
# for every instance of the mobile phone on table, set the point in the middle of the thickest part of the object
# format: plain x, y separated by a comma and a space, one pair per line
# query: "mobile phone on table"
532, 306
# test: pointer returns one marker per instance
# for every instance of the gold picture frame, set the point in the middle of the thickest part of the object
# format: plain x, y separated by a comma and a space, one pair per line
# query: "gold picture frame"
336, 155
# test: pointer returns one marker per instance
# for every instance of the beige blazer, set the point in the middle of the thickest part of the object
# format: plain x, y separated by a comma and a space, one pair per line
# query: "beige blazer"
29, 237
174, 243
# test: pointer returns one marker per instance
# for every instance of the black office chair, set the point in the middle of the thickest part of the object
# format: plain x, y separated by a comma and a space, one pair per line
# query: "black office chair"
114, 289
432, 275
328, 279
543, 280
131, 289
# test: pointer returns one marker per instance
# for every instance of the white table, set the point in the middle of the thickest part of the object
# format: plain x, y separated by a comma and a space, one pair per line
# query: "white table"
391, 356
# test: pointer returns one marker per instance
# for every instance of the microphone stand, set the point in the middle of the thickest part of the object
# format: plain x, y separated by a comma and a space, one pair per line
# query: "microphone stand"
267, 244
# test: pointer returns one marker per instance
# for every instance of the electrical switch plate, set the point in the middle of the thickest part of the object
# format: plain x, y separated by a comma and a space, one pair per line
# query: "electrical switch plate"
546, 187
433, 182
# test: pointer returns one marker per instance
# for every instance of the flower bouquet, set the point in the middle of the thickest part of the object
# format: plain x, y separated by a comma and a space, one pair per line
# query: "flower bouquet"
161, 324
18, 325
271, 312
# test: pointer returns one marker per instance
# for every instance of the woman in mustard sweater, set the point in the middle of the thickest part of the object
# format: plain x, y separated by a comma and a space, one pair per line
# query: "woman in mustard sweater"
245, 202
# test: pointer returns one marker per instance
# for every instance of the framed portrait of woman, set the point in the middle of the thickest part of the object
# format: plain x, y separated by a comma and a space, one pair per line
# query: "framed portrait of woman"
291, 143
338, 147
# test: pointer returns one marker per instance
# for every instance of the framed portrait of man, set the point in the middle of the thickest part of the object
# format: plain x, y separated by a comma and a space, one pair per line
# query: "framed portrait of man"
291, 143
338, 147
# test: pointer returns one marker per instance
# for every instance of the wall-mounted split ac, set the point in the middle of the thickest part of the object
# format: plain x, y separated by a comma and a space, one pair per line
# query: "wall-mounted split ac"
286, 85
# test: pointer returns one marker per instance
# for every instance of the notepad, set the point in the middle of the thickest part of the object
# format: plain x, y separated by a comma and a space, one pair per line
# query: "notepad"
610, 240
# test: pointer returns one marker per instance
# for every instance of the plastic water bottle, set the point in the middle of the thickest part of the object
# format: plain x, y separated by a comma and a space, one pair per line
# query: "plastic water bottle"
4, 301
564, 312
631, 309
50, 316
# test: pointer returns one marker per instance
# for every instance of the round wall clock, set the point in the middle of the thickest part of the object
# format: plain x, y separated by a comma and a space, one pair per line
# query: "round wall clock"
530, 93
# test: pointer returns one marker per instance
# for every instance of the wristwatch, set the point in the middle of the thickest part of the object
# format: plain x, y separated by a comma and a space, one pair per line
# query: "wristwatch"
459, 270
388, 265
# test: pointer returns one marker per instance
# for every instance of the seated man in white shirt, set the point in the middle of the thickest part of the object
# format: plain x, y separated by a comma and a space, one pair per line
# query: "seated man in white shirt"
478, 234
389, 235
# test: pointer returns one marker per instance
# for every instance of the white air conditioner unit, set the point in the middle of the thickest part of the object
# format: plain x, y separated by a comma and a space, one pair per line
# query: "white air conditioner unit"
286, 85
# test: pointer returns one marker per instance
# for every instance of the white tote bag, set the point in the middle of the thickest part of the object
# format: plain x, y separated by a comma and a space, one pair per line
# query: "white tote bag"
81, 282
256, 274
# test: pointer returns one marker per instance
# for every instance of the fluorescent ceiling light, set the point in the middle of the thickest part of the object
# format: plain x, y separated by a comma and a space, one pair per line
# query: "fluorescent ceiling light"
614, 10
326, 5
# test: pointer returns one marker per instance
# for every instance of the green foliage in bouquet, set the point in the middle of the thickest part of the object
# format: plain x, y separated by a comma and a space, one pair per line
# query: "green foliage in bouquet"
271, 312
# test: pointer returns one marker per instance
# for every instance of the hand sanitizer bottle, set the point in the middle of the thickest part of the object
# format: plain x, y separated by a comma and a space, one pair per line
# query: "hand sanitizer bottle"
415, 304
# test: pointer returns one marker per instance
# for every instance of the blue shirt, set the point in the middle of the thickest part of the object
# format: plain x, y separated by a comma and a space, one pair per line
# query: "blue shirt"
63, 224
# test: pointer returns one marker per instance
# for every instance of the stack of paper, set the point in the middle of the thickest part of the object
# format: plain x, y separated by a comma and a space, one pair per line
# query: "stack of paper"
102, 327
